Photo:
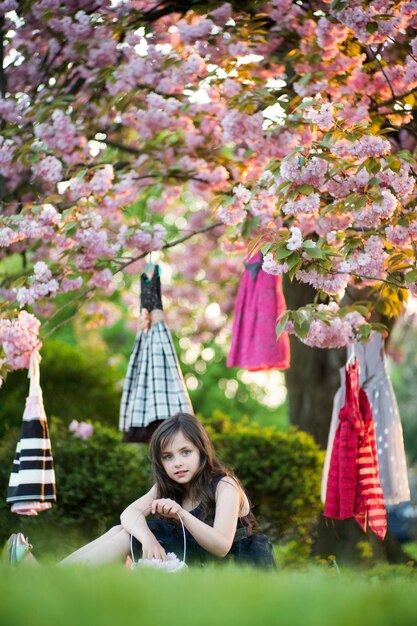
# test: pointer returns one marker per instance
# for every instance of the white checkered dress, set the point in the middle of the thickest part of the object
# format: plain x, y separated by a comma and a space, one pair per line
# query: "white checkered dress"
154, 388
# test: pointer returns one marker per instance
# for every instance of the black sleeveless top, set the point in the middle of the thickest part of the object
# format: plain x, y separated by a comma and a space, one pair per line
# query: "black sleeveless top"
150, 290
248, 548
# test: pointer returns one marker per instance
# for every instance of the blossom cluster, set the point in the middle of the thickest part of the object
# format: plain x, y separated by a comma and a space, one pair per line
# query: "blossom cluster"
334, 332
333, 284
272, 267
19, 337
82, 429
96, 154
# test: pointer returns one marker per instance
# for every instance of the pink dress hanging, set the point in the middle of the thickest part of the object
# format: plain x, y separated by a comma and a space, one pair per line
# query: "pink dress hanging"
260, 301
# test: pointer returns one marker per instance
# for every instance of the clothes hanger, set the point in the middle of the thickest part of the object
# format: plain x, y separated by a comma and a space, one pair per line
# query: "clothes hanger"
149, 268
352, 356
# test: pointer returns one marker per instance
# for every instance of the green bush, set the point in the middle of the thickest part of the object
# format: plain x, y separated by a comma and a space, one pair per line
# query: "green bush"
75, 385
98, 478
281, 471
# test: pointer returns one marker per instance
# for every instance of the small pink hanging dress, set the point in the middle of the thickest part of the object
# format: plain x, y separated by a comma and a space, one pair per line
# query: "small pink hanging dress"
260, 301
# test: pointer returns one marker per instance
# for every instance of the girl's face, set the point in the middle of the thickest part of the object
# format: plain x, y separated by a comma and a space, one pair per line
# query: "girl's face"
181, 459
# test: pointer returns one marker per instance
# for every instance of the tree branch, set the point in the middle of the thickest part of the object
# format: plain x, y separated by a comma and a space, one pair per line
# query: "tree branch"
383, 70
172, 244
376, 106
67, 304
81, 304
87, 294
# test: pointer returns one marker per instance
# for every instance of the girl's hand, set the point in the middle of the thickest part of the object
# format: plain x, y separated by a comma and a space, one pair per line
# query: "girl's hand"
166, 507
152, 549
145, 320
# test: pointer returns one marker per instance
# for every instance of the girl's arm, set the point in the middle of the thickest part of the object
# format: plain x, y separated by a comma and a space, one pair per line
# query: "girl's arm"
218, 538
133, 520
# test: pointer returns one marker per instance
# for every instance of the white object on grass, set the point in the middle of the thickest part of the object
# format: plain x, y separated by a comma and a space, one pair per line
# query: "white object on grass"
172, 564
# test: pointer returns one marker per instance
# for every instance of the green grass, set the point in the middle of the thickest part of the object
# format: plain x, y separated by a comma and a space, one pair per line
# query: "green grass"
109, 596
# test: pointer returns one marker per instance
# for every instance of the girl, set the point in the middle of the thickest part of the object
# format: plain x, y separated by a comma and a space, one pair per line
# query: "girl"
190, 483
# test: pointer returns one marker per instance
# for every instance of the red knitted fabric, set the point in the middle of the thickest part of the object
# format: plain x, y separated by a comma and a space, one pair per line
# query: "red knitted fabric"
353, 488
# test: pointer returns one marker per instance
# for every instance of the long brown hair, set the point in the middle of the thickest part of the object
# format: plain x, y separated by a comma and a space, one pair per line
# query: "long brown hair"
200, 489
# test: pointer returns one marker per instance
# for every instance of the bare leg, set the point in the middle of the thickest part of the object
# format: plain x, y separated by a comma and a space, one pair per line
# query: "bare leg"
113, 545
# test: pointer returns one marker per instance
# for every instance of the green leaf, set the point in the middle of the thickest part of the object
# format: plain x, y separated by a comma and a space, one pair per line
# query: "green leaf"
365, 331
293, 260
359, 202
302, 328
282, 322
307, 190
384, 307
395, 165
305, 79
372, 165
309, 243
316, 253
284, 186
363, 310
338, 5
294, 269
411, 277
379, 328
283, 253
372, 27
305, 105
265, 249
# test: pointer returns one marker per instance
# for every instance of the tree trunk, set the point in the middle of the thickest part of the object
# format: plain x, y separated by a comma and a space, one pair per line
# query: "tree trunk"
313, 377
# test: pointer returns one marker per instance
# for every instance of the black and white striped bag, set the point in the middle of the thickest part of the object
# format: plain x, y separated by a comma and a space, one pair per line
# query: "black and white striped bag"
32, 481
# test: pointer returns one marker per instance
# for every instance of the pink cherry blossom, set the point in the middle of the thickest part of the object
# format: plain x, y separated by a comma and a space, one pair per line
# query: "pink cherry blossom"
242, 194
104, 280
398, 235
232, 214
272, 267
332, 284
82, 429
8, 5
367, 146
48, 169
296, 239
42, 272
323, 118
312, 173
329, 36
71, 284
303, 204
19, 337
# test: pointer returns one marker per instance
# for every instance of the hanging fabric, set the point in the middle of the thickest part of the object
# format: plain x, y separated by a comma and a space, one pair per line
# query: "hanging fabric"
154, 388
32, 481
260, 301
375, 381
353, 488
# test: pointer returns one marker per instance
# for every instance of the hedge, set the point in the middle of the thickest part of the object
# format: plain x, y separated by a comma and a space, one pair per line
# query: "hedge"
99, 477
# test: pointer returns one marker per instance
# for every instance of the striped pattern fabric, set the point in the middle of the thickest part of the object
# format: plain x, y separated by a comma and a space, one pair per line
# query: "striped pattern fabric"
353, 487
32, 481
154, 388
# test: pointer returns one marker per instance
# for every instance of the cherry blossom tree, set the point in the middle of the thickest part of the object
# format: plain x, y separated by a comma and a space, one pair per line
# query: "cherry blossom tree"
128, 127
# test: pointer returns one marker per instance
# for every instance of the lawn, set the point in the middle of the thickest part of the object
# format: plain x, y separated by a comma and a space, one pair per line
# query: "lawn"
108, 596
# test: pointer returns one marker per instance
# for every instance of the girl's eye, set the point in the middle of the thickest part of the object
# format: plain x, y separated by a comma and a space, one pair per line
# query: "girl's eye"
186, 452
166, 457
